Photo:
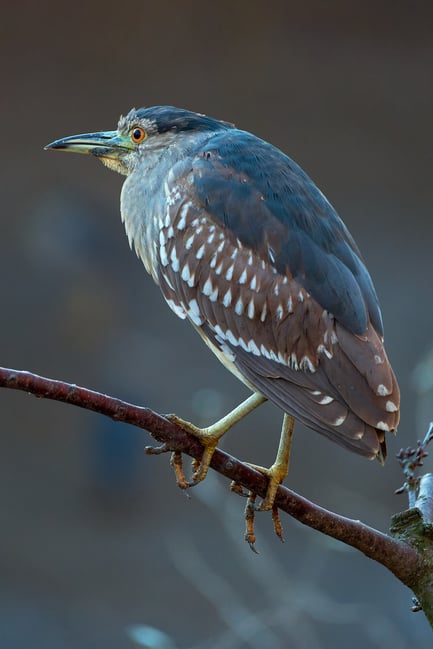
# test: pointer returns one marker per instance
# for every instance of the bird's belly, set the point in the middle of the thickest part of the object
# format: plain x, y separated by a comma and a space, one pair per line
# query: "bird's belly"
224, 359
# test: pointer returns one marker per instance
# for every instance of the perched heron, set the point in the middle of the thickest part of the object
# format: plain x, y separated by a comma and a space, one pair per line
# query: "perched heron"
248, 249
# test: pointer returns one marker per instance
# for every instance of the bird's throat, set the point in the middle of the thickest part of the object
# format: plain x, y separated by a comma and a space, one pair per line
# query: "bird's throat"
115, 164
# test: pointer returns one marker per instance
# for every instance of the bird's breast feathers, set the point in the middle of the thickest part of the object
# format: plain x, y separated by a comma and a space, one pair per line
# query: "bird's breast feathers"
246, 247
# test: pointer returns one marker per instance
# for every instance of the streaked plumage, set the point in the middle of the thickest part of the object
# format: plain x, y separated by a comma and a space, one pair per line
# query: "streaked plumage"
247, 248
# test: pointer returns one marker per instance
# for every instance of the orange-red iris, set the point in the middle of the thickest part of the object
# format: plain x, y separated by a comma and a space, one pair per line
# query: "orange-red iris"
138, 134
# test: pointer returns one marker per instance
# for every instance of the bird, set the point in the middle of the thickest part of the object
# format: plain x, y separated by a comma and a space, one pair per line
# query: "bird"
245, 247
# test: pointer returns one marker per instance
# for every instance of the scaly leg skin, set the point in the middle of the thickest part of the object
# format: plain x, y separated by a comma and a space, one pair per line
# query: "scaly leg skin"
209, 437
278, 471
176, 465
250, 535
276, 474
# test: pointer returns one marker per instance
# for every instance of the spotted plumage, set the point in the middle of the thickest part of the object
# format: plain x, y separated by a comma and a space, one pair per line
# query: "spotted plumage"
247, 248
279, 289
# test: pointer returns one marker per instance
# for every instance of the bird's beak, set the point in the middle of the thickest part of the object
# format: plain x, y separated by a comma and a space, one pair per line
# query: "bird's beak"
111, 147
105, 144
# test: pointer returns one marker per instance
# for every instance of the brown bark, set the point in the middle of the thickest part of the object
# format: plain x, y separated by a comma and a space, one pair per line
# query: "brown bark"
407, 552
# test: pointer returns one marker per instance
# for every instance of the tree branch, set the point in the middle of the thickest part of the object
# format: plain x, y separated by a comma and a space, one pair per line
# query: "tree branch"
424, 502
401, 555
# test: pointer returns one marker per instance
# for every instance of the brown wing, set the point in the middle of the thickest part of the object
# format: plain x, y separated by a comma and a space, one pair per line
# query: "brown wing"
268, 329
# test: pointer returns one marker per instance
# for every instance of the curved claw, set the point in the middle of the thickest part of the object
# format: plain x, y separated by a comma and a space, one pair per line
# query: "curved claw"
209, 446
275, 474
207, 439
177, 466
250, 536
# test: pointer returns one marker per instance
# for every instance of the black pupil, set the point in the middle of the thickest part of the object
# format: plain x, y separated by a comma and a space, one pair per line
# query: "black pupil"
136, 134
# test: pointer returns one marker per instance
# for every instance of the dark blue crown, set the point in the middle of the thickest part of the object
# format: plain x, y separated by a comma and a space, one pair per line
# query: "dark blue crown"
170, 118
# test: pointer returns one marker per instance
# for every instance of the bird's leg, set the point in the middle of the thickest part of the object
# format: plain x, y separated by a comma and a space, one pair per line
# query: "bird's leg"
210, 436
276, 474
278, 471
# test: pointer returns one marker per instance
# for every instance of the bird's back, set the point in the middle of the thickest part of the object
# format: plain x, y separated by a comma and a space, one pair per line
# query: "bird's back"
246, 247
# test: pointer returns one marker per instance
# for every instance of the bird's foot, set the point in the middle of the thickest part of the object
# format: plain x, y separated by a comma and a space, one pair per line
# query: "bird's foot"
208, 438
175, 462
276, 474
250, 512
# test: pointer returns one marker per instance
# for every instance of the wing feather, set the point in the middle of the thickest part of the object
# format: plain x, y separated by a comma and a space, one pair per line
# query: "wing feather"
291, 310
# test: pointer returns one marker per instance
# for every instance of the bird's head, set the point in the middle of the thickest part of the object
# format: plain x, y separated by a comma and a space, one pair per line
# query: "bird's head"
142, 131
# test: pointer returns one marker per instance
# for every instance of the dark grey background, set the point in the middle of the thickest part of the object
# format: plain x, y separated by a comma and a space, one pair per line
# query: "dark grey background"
95, 537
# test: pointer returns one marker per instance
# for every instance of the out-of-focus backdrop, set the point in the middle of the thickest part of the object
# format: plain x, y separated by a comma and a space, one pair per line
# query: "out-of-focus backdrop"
96, 540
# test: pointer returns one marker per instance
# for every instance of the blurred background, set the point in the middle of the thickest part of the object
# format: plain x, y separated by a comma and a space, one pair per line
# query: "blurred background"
97, 543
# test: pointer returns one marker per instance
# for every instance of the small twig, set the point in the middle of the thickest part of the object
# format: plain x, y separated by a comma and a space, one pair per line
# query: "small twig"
410, 460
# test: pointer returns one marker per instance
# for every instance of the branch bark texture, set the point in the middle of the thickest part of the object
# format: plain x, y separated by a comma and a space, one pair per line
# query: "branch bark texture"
407, 552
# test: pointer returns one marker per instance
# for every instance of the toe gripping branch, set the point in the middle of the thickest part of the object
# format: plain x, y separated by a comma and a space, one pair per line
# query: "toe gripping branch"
250, 511
176, 463
209, 438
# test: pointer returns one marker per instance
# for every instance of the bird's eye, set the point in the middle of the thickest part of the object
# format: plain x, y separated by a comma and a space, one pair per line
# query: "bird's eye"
138, 134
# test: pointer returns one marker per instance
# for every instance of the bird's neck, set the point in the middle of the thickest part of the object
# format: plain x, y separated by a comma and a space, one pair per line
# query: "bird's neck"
143, 201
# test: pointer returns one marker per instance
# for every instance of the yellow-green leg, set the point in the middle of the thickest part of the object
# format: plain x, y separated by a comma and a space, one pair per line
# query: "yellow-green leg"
210, 436
278, 471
